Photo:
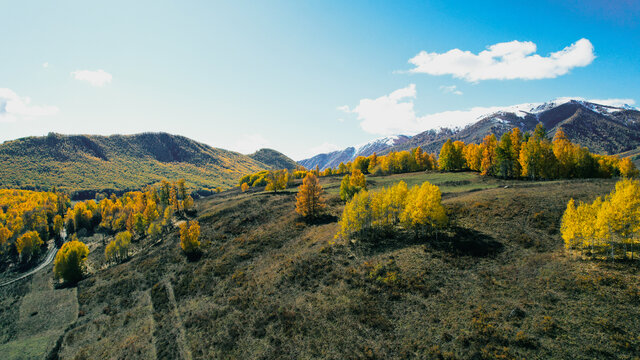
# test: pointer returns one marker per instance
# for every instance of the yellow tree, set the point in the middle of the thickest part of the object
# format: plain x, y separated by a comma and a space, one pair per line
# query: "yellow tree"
309, 200
516, 146
570, 227
357, 179
489, 144
189, 237
70, 260
244, 187
563, 151
446, 160
5, 235
627, 168
473, 156
28, 244
118, 249
424, 208
356, 217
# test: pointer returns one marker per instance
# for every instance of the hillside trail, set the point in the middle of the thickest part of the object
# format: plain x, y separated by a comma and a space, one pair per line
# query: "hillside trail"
51, 254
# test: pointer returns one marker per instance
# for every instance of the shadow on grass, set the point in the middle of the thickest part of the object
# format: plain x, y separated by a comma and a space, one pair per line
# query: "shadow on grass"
194, 256
457, 241
321, 220
466, 242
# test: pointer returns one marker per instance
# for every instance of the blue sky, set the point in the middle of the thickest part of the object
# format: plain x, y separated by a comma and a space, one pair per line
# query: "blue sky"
301, 76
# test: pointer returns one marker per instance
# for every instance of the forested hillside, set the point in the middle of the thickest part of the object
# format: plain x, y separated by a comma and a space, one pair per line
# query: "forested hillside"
88, 163
273, 158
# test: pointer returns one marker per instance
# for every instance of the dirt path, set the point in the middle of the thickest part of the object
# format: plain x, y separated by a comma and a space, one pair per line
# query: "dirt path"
169, 333
51, 254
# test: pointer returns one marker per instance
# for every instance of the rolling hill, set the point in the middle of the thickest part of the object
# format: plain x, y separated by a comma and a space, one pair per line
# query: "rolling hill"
84, 164
273, 158
601, 128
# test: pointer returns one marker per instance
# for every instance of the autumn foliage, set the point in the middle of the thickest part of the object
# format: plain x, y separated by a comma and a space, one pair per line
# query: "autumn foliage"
418, 209
70, 261
609, 226
189, 235
309, 200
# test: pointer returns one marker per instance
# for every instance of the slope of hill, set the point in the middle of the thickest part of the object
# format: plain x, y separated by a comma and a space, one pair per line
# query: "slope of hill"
497, 284
333, 159
87, 163
274, 159
603, 129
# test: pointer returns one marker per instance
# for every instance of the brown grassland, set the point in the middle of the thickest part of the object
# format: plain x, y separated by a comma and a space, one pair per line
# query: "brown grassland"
268, 285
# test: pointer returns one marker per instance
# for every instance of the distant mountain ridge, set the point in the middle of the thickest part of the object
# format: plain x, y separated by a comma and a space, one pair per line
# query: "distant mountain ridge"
273, 158
89, 163
333, 159
601, 128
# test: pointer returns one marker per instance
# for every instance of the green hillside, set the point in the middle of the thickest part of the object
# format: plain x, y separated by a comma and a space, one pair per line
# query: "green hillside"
497, 284
89, 163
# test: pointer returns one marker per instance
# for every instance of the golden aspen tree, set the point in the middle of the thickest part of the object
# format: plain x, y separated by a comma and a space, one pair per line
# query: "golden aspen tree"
424, 210
69, 263
489, 144
356, 217
342, 168
244, 187
563, 151
118, 249
373, 163
446, 158
627, 168
357, 179
28, 244
309, 200
516, 146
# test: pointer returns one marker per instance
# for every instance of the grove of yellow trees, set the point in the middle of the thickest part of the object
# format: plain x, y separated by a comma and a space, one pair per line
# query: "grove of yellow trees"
28, 219
418, 209
609, 226
531, 156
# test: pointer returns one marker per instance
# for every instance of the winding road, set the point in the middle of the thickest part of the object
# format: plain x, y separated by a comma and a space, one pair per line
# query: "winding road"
50, 256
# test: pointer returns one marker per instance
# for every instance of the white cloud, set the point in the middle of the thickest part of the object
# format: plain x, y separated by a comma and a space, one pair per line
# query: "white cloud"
249, 143
450, 90
95, 78
14, 107
504, 61
45, 65
394, 114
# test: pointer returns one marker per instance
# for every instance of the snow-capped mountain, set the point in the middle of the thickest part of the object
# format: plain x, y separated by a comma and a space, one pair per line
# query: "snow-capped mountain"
602, 128
333, 159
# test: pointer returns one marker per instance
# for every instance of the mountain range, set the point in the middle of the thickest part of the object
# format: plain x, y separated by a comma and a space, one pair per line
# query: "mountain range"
601, 128
85, 164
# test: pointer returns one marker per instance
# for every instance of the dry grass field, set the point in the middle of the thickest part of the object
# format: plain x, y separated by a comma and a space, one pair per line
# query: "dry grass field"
268, 285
